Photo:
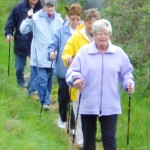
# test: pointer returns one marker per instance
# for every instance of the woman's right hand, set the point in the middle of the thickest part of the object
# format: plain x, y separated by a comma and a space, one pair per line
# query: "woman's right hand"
53, 55
70, 60
9, 38
30, 13
79, 84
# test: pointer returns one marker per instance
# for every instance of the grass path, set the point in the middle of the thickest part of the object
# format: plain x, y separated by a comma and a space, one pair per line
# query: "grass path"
21, 127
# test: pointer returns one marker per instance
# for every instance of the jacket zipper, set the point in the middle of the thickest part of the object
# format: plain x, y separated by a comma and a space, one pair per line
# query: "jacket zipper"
102, 84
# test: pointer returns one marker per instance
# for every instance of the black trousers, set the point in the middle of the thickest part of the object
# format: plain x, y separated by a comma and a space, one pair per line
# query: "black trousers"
108, 129
63, 100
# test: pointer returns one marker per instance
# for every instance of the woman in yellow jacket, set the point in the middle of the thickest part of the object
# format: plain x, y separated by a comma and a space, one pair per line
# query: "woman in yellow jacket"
82, 37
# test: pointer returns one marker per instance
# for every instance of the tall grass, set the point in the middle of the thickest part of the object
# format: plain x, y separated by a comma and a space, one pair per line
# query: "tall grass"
21, 127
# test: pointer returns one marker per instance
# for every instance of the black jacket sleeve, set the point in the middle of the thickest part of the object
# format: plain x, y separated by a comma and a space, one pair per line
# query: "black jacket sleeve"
10, 24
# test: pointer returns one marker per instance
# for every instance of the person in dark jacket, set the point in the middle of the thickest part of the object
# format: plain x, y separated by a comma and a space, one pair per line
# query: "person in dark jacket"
22, 43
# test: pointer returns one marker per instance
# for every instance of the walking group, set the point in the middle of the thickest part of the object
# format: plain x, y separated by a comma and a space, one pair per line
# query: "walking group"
79, 52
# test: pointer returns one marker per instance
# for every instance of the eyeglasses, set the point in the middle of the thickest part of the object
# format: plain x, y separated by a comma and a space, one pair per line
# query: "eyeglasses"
102, 34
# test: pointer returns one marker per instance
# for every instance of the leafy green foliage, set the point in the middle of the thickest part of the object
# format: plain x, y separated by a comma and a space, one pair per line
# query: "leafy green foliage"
131, 23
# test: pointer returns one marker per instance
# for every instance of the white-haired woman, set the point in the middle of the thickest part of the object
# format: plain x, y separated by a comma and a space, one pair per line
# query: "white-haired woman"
97, 71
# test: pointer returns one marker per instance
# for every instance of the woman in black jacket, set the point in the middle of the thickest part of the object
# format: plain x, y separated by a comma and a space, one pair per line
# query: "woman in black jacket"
22, 43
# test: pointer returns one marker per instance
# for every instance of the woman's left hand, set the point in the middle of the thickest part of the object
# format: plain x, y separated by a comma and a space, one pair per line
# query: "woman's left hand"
131, 88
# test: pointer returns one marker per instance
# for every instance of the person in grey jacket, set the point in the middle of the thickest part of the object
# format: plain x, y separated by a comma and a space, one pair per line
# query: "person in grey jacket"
44, 24
97, 71
22, 43
60, 39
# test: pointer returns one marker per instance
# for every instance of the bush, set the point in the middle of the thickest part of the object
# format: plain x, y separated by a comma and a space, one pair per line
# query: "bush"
131, 22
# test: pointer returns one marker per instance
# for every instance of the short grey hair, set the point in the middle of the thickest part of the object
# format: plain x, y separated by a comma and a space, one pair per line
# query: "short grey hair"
49, 3
101, 25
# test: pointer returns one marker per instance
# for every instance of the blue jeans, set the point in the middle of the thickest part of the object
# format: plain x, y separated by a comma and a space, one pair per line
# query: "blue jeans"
20, 63
33, 80
45, 81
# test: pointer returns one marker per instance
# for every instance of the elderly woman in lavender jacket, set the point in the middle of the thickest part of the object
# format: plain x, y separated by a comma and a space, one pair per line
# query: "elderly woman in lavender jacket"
97, 71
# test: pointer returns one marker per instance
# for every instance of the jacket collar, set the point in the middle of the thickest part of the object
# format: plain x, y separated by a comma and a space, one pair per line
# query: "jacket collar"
66, 27
27, 6
93, 49
42, 13
84, 33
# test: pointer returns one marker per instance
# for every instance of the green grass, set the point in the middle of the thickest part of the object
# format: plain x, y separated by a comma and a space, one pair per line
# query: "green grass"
139, 124
21, 128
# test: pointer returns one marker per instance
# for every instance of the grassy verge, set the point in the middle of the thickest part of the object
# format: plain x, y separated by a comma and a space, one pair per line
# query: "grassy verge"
21, 127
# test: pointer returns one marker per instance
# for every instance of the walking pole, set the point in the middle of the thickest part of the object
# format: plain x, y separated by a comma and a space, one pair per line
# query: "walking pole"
9, 59
76, 121
69, 111
128, 131
49, 77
